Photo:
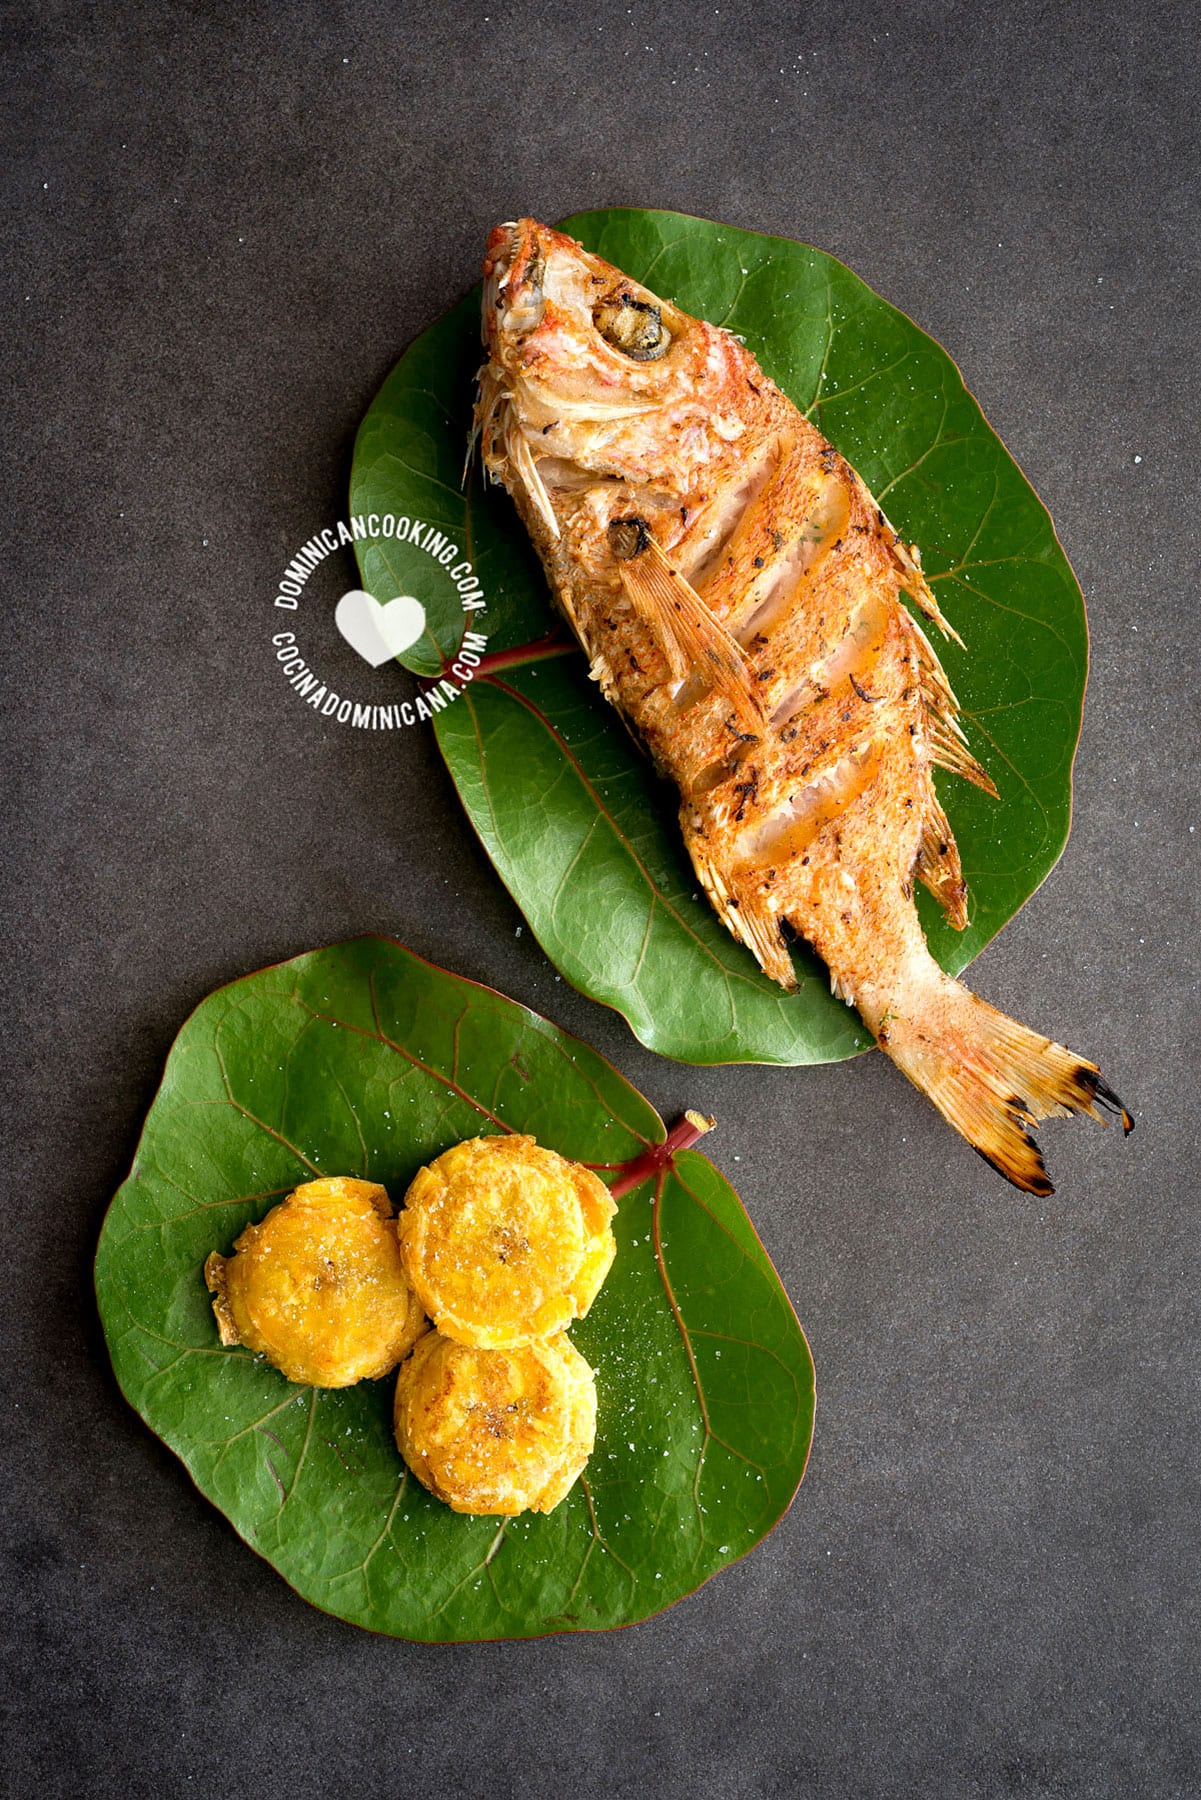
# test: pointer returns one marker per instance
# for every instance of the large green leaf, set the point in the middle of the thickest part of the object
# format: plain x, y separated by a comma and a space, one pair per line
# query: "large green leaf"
365, 1060
582, 835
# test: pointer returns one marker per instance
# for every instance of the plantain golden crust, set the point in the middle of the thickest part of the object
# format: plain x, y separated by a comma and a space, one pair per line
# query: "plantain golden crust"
318, 1287
505, 1242
496, 1431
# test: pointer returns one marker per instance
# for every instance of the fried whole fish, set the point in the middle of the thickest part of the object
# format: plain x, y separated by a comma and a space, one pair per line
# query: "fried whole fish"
737, 591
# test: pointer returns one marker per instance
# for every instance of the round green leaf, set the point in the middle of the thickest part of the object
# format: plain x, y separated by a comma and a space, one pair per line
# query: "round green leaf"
583, 836
365, 1060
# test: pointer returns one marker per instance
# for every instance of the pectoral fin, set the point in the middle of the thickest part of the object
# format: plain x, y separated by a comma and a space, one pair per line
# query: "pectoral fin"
693, 641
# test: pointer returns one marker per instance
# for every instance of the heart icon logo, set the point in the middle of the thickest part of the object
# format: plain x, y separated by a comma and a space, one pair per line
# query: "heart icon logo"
378, 632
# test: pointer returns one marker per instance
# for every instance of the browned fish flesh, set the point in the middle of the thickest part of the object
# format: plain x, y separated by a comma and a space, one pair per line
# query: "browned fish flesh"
737, 592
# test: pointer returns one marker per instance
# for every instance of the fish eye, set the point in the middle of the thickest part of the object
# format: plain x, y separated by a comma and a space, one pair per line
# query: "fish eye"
634, 327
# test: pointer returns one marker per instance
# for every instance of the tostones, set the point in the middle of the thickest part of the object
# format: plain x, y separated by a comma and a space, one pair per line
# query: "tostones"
318, 1287
496, 1431
505, 1242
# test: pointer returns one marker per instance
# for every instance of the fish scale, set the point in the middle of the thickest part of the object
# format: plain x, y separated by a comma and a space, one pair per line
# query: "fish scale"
738, 593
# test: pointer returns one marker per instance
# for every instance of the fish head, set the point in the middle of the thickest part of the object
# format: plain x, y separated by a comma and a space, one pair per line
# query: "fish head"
590, 375
574, 327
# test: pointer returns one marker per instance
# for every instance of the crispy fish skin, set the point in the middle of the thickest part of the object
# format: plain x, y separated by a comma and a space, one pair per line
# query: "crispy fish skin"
737, 591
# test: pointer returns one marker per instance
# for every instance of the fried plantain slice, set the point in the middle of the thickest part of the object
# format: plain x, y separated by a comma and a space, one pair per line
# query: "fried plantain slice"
496, 1431
318, 1287
505, 1241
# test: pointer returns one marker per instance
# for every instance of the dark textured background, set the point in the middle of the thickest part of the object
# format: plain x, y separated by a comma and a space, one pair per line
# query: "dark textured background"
221, 233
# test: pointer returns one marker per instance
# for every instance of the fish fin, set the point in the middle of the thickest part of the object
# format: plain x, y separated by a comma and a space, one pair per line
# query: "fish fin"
938, 866
759, 930
913, 581
560, 582
521, 462
908, 560
692, 639
951, 753
490, 397
989, 1077
600, 672
473, 441
754, 926
947, 744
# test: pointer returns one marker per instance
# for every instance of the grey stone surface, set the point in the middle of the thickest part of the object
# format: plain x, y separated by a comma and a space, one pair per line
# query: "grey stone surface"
221, 232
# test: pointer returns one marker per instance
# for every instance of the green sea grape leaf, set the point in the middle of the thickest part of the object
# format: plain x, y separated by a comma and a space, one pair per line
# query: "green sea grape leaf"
594, 821
365, 1060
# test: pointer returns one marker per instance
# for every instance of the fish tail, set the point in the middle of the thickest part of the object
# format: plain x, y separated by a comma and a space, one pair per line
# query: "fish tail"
991, 1078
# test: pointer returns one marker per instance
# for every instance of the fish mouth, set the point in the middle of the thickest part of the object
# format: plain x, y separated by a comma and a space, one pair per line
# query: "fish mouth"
514, 269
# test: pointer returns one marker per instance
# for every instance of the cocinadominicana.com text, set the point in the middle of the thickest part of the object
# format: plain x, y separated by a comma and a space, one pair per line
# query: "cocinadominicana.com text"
417, 711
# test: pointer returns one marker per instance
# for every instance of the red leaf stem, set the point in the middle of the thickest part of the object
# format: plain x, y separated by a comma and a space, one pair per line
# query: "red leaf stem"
683, 1134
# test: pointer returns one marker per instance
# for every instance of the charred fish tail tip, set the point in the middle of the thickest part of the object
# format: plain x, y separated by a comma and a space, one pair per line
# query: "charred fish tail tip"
991, 1078
1102, 1095
1030, 1180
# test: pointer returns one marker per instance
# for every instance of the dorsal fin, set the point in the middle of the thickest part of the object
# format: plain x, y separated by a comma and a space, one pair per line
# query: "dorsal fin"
914, 582
692, 639
908, 559
944, 734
